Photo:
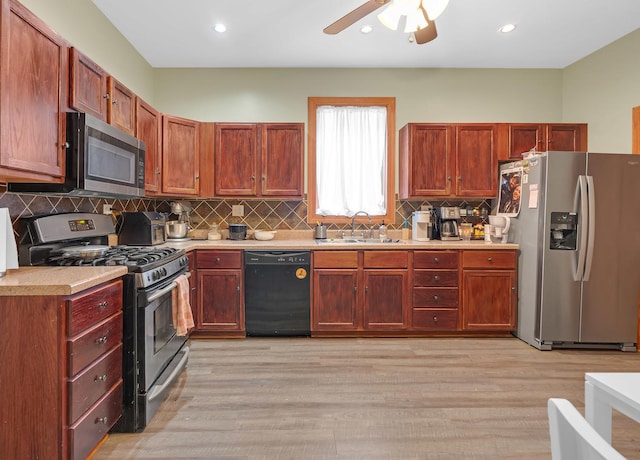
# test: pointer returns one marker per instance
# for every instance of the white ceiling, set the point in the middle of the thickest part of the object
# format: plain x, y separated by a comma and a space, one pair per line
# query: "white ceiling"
288, 33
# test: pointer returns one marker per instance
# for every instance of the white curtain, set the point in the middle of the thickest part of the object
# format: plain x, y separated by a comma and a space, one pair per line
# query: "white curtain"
351, 167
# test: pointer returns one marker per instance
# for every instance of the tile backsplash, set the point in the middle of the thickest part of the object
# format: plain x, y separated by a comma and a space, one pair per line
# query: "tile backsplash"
265, 214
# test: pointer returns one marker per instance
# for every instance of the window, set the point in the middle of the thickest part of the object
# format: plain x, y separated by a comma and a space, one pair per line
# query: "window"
351, 159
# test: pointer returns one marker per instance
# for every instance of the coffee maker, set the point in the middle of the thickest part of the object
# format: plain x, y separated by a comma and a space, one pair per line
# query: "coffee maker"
422, 225
448, 218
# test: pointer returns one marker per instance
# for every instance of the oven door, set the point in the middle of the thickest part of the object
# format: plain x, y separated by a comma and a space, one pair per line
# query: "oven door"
158, 343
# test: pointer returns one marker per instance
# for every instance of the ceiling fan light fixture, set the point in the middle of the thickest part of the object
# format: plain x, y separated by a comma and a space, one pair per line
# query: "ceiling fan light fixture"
390, 16
434, 8
415, 21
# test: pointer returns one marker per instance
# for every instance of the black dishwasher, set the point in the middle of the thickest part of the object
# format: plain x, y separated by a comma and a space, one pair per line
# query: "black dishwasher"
277, 293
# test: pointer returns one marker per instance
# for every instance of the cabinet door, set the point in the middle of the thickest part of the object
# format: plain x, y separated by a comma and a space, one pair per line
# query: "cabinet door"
219, 306
121, 110
476, 160
180, 156
386, 305
567, 137
426, 160
149, 129
193, 283
523, 138
89, 86
489, 300
334, 306
34, 76
235, 159
282, 153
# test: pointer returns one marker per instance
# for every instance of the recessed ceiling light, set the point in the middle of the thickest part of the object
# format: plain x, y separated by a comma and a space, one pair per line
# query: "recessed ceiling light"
505, 29
366, 29
220, 28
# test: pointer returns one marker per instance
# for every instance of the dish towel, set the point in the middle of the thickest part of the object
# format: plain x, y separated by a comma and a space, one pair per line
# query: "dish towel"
182, 315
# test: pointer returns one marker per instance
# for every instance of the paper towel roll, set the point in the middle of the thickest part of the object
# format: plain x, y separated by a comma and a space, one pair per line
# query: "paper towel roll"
8, 248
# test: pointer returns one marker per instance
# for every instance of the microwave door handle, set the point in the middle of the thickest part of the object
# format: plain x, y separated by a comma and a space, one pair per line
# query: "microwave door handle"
591, 193
581, 200
165, 290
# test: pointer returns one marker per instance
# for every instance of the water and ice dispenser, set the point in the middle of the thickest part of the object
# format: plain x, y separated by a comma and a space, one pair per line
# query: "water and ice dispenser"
564, 231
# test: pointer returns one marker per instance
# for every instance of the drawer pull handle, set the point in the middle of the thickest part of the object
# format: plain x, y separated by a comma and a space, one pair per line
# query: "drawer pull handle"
435, 319
103, 420
490, 259
436, 260
102, 305
436, 278
100, 378
217, 260
435, 297
102, 340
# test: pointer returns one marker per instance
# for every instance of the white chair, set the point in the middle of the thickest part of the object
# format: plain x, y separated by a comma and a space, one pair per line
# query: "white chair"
572, 438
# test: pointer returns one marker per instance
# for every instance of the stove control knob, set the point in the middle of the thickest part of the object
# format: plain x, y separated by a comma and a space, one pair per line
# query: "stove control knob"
156, 275
163, 271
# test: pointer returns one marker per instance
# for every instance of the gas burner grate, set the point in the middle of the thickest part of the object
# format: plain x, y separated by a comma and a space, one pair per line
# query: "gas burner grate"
131, 256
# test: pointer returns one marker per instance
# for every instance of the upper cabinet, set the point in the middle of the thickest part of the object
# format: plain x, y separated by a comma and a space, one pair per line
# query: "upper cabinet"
180, 156
149, 130
33, 94
524, 137
448, 160
259, 159
95, 92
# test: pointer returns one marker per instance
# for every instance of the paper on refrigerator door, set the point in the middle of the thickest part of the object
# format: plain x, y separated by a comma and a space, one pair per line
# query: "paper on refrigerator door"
8, 249
533, 196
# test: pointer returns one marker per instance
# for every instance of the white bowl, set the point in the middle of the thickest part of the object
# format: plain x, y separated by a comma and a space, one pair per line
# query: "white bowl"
264, 235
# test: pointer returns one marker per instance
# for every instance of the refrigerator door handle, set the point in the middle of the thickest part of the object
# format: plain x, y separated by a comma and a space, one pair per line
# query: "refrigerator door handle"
581, 199
591, 193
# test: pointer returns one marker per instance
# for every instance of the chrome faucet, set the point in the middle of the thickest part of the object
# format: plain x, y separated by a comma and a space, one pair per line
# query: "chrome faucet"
353, 221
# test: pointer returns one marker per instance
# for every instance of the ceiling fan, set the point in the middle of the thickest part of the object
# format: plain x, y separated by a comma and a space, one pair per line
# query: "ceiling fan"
420, 16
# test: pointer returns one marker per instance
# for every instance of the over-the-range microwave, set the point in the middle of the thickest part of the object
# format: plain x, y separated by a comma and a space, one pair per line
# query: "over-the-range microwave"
101, 161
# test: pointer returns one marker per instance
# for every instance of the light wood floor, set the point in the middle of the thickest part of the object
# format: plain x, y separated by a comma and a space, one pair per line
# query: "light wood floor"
282, 398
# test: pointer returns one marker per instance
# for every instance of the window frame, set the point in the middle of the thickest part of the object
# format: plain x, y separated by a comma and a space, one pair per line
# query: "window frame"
312, 198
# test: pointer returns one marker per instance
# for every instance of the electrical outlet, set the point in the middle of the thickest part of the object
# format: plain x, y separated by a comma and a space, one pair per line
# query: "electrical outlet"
237, 210
107, 208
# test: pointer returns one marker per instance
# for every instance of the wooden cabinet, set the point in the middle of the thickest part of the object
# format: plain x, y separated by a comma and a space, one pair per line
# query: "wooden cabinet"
435, 291
489, 284
96, 92
33, 93
448, 160
180, 156
360, 291
220, 291
193, 283
70, 394
149, 130
259, 159
523, 137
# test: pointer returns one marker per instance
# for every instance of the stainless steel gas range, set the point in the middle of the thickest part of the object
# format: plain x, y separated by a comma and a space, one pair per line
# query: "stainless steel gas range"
153, 354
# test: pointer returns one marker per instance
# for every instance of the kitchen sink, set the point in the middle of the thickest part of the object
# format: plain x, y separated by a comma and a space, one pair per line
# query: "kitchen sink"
352, 240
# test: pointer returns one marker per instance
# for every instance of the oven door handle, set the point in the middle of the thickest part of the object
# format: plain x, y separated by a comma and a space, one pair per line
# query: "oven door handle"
163, 291
158, 390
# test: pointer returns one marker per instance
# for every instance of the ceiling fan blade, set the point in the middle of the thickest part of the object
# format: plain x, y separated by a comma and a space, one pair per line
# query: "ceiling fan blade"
354, 16
428, 33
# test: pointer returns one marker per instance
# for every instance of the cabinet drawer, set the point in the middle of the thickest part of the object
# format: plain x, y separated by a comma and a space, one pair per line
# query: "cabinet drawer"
435, 297
219, 259
446, 278
89, 346
87, 387
85, 434
335, 259
427, 319
489, 259
386, 259
435, 259
91, 308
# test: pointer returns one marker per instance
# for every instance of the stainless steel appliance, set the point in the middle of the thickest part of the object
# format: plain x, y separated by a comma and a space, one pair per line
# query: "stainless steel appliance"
237, 231
144, 228
277, 293
153, 355
101, 160
578, 231
448, 218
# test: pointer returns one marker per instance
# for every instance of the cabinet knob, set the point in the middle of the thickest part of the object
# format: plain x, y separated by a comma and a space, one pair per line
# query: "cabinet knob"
436, 278
100, 378
436, 260
490, 259
66, 145
435, 319
264, 178
460, 178
102, 305
103, 420
107, 96
102, 340
217, 260
253, 177
115, 102
355, 288
435, 298
449, 178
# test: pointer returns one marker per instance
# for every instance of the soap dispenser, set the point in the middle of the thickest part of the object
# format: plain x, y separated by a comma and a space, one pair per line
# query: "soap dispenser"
382, 231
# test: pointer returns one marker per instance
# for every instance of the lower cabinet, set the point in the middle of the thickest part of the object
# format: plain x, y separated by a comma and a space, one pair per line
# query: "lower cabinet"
220, 293
489, 285
62, 382
360, 291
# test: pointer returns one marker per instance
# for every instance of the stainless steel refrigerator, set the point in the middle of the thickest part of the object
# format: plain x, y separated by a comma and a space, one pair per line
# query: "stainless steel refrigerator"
578, 227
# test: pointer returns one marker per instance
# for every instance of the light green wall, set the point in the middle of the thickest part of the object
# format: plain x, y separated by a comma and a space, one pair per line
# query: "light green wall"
599, 90
602, 89
82, 24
